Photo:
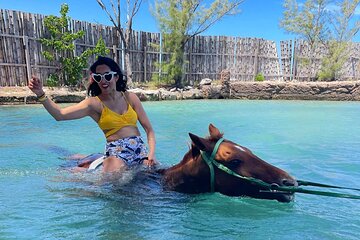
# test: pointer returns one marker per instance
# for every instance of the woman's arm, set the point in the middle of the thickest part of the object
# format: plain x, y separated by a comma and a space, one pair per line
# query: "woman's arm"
145, 123
76, 111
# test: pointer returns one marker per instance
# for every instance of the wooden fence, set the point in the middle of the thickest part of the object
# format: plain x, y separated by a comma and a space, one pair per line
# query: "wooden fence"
21, 53
302, 63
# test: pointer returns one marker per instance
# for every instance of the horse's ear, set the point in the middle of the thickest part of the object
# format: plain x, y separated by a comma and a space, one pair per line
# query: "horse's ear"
214, 132
201, 143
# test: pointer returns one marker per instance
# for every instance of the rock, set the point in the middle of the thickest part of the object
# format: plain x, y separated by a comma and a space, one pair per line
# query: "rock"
225, 76
339, 91
192, 94
205, 81
71, 98
211, 92
167, 95
225, 83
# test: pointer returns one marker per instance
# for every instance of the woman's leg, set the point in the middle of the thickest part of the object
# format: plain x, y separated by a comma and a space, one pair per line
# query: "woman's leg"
114, 164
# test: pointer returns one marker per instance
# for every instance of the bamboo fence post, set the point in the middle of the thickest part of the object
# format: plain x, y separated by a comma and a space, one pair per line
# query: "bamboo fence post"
256, 58
27, 57
145, 63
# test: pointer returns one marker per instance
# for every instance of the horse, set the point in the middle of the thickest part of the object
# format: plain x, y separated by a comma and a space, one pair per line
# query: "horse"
192, 175
245, 174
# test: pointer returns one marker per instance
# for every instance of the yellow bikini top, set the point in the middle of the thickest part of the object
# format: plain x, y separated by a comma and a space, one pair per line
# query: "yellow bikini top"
111, 122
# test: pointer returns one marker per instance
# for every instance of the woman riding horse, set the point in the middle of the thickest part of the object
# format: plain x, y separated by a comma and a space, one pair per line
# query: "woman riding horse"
238, 171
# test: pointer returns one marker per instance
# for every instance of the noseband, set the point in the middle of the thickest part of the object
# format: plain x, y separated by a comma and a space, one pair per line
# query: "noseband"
273, 187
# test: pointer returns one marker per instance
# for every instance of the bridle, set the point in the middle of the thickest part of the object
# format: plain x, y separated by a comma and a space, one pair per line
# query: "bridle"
270, 187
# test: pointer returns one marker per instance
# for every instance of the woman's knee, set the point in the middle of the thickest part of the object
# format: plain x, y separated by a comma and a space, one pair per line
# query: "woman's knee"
113, 164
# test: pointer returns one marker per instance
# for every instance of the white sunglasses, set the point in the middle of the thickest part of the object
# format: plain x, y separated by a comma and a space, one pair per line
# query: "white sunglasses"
107, 76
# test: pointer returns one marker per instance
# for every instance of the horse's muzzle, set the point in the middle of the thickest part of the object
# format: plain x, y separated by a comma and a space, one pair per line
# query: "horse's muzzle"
284, 196
289, 182
275, 191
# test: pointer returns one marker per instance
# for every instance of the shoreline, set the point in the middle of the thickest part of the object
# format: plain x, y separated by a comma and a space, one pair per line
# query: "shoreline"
267, 90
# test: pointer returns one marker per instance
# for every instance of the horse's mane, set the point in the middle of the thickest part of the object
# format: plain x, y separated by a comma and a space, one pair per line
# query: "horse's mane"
193, 152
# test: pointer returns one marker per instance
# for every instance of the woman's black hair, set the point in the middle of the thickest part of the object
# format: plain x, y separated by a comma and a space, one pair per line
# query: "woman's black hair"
94, 89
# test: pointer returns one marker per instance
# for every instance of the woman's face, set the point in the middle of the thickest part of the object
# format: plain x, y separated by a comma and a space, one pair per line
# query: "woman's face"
107, 78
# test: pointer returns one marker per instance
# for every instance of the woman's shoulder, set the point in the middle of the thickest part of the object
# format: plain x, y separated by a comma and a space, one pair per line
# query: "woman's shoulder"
93, 102
132, 97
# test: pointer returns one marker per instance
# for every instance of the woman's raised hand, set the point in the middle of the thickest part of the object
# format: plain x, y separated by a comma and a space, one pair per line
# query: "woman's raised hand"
35, 86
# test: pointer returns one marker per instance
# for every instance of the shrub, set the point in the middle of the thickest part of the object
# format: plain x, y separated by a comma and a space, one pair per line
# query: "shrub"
259, 77
60, 45
53, 80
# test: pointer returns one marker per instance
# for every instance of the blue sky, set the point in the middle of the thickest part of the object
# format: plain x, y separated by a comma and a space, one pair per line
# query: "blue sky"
258, 18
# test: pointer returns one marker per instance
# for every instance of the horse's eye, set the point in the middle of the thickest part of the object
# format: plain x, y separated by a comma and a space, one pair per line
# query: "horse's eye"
234, 163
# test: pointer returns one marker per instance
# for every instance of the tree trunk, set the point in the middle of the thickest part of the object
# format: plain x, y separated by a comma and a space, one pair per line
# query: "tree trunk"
179, 76
183, 70
180, 61
128, 69
127, 59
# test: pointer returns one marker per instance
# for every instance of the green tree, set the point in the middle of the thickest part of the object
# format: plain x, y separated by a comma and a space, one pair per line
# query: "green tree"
320, 27
308, 23
60, 47
343, 29
180, 21
341, 21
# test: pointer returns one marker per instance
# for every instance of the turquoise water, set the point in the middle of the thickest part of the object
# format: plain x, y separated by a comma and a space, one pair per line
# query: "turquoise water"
315, 141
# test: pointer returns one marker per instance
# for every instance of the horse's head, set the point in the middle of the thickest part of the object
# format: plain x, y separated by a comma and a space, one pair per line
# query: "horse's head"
241, 161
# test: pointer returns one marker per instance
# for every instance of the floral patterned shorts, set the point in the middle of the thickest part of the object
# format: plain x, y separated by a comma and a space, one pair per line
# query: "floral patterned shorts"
131, 149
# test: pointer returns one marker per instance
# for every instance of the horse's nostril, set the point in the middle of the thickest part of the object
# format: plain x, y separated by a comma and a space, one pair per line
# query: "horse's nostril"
274, 186
288, 182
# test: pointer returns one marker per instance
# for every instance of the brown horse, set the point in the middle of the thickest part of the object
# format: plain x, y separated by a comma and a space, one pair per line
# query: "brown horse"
192, 174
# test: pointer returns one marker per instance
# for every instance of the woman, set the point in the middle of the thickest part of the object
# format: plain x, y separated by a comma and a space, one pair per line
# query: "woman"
115, 110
